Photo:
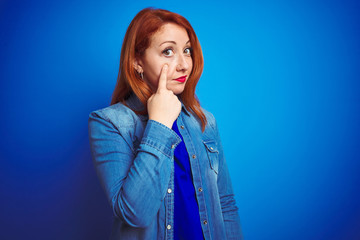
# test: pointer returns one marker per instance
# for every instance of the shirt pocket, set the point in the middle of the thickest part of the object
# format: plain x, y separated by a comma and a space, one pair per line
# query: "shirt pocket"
213, 154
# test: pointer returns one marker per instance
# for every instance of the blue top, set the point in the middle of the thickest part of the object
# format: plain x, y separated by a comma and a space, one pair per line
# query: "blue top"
187, 223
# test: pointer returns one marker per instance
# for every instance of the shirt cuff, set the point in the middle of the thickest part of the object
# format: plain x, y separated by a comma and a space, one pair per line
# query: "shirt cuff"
160, 137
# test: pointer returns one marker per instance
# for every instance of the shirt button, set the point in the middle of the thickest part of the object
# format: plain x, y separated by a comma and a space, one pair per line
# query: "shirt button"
182, 127
200, 189
168, 227
173, 146
193, 156
211, 148
169, 190
205, 222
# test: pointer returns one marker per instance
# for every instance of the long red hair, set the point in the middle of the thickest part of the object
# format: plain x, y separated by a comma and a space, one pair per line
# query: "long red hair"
137, 39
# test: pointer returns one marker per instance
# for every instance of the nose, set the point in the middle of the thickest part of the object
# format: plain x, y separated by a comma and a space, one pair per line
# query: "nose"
182, 64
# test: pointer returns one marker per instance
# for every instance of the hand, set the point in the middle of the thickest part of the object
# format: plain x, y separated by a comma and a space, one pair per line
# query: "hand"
164, 106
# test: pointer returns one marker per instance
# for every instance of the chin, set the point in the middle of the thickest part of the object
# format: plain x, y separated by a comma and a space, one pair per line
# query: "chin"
177, 89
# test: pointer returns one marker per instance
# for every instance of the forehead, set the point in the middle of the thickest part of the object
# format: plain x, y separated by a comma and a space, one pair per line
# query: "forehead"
170, 32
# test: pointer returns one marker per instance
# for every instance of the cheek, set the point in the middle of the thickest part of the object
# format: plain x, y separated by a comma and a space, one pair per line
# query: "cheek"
173, 62
159, 65
153, 72
152, 66
172, 69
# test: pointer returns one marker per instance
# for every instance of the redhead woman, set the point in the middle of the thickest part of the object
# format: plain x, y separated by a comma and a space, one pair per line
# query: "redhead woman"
157, 153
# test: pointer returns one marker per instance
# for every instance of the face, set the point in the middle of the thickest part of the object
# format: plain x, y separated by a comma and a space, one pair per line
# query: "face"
170, 45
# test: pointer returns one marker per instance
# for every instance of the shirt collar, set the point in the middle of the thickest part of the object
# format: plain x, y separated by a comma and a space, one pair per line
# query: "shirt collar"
135, 104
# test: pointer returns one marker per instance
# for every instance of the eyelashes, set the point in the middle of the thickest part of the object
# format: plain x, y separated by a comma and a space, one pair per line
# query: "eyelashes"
189, 50
169, 52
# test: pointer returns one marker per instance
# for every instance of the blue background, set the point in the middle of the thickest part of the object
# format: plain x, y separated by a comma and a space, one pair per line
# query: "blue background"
281, 77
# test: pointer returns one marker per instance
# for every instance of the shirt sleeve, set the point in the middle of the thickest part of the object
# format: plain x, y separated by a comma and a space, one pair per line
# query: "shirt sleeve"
227, 200
135, 183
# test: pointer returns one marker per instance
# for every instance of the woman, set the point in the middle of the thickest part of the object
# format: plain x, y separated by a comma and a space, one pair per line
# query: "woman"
156, 151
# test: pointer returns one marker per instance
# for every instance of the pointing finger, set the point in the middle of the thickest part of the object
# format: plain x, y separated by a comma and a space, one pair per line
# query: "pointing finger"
163, 77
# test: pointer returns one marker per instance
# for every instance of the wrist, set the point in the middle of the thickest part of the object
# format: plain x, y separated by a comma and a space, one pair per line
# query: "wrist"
162, 121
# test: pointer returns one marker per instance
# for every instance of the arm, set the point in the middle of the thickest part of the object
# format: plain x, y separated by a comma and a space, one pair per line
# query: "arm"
134, 185
227, 200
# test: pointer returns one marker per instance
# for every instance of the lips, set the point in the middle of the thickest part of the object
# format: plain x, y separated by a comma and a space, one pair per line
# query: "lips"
181, 79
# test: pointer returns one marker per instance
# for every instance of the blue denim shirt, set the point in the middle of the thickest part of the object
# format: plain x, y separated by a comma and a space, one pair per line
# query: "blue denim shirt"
133, 157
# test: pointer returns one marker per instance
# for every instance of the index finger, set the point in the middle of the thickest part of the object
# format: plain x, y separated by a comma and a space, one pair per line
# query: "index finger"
163, 78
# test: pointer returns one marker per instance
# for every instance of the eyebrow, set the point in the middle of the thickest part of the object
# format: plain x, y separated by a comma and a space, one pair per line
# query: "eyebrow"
173, 42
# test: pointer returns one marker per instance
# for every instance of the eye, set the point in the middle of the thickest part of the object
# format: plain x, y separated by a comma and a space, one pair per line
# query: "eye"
168, 52
188, 51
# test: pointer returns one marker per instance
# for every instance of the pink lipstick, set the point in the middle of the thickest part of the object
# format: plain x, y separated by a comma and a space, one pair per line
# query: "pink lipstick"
181, 79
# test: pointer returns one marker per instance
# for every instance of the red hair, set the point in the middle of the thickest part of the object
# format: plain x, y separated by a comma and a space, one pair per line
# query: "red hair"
137, 39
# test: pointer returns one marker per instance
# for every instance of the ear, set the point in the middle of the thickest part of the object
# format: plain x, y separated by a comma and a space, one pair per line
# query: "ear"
137, 66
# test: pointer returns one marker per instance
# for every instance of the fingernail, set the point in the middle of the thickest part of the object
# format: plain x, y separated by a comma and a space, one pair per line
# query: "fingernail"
165, 66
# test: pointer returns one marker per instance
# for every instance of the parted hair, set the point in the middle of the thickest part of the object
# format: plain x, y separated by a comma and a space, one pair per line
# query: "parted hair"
137, 39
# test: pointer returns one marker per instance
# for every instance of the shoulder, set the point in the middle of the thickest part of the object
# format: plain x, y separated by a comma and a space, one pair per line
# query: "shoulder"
117, 114
211, 121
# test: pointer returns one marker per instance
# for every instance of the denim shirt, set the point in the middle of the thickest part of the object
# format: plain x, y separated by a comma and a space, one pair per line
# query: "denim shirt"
134, 159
